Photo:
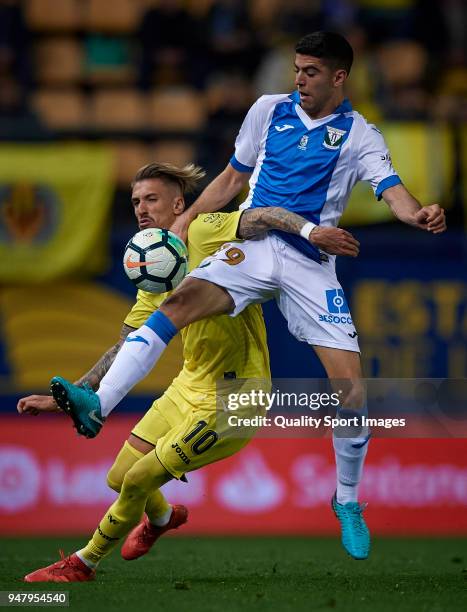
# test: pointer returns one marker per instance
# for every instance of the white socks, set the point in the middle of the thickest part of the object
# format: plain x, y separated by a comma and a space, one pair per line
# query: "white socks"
350, 455
133, 362
161, 521
138, 355
81, 557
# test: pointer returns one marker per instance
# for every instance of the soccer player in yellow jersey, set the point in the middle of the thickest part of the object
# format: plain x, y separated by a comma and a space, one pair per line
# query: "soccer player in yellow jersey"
181, 431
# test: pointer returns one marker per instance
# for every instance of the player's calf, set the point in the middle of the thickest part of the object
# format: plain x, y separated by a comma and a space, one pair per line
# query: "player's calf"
196, 299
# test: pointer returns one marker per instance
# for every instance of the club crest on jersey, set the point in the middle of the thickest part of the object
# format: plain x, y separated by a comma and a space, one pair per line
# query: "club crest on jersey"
333, 137
303, 143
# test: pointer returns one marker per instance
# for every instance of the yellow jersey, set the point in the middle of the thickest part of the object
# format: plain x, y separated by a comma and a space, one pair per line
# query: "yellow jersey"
221, 346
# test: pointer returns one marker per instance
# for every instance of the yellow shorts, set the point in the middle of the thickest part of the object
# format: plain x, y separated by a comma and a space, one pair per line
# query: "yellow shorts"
162, 416
188, 436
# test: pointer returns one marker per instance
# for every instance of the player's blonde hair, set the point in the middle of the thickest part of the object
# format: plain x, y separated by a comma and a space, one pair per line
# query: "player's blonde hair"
186, 178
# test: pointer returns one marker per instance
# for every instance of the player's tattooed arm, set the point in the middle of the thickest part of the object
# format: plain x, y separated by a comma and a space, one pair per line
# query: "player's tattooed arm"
332, 240
36, 404
100, 369
257, 221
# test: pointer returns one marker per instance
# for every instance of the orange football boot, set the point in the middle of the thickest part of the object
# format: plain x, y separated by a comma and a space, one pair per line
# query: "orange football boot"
68, 569
140, 540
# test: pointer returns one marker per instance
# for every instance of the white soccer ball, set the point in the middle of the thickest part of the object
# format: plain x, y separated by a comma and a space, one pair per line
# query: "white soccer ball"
156, 260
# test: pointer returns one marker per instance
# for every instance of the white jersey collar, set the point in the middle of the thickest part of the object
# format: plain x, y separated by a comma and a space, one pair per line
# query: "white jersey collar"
312, 124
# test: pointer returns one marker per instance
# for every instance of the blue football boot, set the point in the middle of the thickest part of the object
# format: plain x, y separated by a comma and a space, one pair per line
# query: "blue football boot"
80, 403
355, 534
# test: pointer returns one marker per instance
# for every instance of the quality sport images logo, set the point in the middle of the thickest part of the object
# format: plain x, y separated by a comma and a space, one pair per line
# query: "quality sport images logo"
337, 307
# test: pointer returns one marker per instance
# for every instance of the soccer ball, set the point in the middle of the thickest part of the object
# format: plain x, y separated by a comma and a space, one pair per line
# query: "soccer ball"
156, 260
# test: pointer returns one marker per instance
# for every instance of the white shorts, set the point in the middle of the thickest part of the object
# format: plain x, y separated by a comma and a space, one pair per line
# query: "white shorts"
308, 293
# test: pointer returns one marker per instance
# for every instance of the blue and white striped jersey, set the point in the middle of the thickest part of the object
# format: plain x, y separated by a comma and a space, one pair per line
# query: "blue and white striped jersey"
309, 166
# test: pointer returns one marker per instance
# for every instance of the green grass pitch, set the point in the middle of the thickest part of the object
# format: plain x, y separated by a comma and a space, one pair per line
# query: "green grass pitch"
252, 573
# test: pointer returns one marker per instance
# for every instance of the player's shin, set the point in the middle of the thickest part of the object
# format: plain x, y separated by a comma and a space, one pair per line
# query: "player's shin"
350, 449
157, 507
141, 482
135, 360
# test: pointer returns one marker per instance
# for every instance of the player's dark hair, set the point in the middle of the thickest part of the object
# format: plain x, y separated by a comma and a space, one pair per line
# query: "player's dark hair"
333, 48
186, 178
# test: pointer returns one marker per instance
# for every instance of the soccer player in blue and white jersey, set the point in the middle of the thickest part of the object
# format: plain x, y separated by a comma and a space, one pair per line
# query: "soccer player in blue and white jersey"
303, 152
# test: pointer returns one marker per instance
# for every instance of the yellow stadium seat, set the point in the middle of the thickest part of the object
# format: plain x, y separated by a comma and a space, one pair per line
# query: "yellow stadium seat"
59, 61
62, 15
402, 62
177, 109
118, 109
175, 152
130, 156
463, 163
199, 8
61, 108
263, 12
119, 16
385, 4
120, 76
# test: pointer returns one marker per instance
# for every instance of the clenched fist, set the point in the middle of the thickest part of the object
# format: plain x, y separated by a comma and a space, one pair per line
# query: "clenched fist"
35, 404
334, 240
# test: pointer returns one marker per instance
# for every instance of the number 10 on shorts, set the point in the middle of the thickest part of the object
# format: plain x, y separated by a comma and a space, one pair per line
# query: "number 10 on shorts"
204, 441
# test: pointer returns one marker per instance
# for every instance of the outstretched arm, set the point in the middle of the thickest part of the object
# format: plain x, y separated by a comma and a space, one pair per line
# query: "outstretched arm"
333, 240
100, 369
220, 191
215, 196
408, 210
35, 404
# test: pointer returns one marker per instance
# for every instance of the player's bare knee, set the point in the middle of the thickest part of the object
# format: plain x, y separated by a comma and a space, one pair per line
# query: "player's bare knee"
353, 395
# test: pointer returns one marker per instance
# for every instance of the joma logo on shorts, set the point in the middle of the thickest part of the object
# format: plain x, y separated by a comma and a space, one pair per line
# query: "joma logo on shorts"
182, 455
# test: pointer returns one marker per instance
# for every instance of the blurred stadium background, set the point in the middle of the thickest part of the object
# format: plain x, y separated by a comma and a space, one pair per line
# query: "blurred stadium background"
90, 90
